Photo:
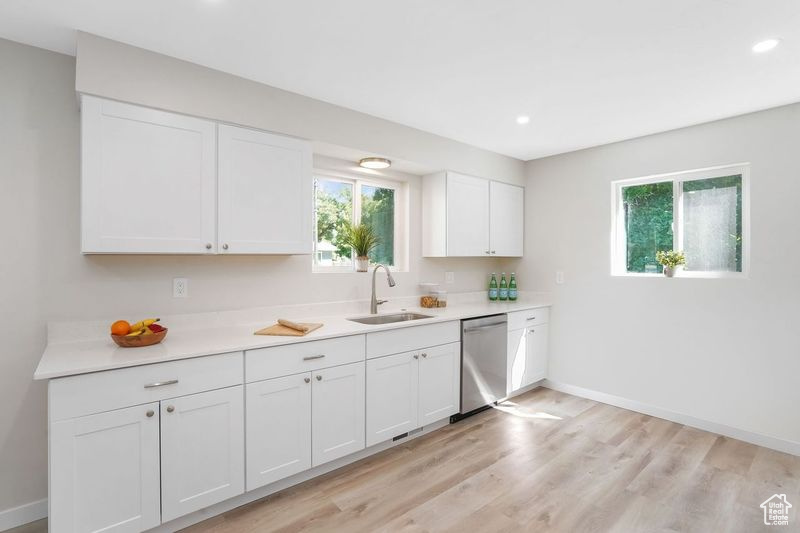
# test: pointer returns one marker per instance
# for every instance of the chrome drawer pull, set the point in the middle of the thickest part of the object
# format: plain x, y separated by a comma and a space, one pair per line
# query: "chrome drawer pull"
160, 384
312, 357
531, 318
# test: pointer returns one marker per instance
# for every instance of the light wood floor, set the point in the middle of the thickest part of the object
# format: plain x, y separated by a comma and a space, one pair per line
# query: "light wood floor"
546, 462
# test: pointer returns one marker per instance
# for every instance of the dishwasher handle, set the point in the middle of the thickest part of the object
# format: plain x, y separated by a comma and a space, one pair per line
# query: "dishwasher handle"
487, 326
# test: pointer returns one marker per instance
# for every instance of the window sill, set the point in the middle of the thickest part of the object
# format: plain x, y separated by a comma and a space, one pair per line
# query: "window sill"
684, 275
350, 270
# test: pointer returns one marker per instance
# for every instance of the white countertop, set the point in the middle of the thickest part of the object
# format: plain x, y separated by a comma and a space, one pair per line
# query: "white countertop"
67, 357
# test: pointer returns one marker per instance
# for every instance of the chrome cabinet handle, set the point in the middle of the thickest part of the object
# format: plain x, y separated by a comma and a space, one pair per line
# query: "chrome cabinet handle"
149, 413
494, 252
170, 408
416, 356
319, 377
312, 357
307, 380
424, 355
487, 251
530, 331
160, 384
531, 318
224, 246
208, 246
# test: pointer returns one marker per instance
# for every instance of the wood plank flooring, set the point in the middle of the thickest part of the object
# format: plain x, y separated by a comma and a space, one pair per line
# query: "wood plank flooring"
546, 461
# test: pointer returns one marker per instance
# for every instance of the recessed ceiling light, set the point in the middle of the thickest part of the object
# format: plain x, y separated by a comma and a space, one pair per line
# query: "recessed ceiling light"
765, 46
375, 163
523, 119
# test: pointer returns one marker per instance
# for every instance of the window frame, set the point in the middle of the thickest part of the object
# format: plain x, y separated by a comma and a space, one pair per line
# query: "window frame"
400, 217
618, 236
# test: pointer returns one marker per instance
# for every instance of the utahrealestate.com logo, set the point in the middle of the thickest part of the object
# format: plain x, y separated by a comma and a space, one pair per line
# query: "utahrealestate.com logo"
776, 510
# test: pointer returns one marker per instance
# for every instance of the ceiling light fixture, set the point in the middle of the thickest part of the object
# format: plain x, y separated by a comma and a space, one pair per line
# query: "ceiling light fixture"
765, 46
375, 163
523, 119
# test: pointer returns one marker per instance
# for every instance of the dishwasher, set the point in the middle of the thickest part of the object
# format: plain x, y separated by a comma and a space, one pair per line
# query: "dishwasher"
484, 362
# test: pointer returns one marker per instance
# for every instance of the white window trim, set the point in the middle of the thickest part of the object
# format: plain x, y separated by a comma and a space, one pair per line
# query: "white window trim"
618, 243
401, 217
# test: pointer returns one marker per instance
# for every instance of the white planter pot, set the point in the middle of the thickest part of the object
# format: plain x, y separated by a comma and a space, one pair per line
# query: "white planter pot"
362, 264
670, 271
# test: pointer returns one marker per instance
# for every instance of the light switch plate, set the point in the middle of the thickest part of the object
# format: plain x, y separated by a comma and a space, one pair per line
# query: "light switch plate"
180, 287
449, 277
559, 277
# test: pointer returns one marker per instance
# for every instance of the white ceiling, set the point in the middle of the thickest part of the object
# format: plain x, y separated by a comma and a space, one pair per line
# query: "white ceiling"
587, 72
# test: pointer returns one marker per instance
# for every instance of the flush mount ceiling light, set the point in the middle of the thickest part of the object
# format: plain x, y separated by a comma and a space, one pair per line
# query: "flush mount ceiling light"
375, 163
523, 119
765, 45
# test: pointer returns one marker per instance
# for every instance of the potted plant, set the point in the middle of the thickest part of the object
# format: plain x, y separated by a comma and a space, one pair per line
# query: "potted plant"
671, 260
362, 238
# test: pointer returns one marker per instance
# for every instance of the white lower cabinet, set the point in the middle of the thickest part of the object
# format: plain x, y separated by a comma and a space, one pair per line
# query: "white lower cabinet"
527, 356
202, 450
411, 389
104, 471
337, 412
392, 396
278, 428
439, 382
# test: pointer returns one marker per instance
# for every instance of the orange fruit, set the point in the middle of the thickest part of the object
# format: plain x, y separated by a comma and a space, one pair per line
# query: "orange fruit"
120, 327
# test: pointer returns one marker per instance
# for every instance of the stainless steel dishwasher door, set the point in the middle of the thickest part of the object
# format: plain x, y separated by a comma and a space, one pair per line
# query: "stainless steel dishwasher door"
483, 361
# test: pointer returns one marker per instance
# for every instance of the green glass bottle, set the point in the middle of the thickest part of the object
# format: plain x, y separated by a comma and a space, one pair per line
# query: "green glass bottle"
493, 288
503, 287
512, 288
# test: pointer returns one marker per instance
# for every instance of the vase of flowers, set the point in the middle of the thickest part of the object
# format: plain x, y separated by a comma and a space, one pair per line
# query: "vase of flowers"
671, 260
362, 238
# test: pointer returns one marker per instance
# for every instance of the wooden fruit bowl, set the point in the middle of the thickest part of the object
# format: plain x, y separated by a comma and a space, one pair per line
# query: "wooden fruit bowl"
140, 340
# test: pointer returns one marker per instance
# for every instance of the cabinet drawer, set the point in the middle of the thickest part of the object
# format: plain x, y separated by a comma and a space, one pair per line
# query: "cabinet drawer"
267, 363
531, 317
102, 391
413, 338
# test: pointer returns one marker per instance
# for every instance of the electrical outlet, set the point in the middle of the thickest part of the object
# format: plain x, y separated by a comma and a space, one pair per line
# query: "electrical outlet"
180, 287
449, 277
559, 277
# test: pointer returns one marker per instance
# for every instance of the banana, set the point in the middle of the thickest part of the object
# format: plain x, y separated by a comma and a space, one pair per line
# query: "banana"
144, 323
135, 333
147, 331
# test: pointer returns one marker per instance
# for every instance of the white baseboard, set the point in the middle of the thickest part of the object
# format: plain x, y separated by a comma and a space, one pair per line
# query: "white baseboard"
18, 516
767, 441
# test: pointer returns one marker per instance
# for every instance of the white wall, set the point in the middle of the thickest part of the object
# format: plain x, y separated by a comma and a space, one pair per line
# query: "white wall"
43, 276
727, 351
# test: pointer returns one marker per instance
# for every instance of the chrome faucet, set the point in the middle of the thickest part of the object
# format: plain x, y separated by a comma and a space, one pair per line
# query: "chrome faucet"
374, 303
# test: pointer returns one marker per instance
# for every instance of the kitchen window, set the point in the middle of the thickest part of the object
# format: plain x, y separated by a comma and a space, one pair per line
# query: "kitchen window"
703, 213
341, 200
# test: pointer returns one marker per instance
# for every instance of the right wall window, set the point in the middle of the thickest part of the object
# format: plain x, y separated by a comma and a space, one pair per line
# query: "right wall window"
702, 213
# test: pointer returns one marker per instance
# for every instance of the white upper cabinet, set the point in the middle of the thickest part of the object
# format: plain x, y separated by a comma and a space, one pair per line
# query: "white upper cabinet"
506, 219
466, 216
265, 193
148, 180
161, 183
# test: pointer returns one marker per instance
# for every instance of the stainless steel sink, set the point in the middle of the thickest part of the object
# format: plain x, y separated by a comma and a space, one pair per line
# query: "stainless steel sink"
388, 319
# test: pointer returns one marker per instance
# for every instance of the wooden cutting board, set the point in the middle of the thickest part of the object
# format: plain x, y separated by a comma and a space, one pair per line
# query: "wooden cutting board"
285, 331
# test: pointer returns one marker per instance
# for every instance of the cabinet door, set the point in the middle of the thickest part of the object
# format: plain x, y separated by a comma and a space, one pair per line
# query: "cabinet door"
506, 219
337, 413
439, 382
265, 193
517, 359
202, 450
536, 364
392, 396
467, 215
278, 428
104, 471
148, 180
